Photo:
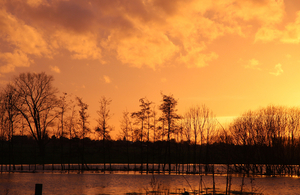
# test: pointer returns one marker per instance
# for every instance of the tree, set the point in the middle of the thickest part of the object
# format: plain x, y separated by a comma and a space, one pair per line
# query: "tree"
126, 127
142, 117
72, 130
199, 120
168, 108
9, 113
103, 128
268, 129
37, 104
71, 123
83, 123
104, 115
63, 109
126, 131
9, 117
83, 117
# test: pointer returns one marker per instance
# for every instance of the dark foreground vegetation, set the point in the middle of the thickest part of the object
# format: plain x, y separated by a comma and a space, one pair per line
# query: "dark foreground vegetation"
77, 154
57, 151
39, 127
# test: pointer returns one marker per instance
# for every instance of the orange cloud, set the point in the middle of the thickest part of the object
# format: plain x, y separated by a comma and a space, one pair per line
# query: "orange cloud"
278, 70
107, 79
13, 60
265, 11
266, 34
150, 50
34, 3
82, 46
55, 69
291, 33
138, 33
24, 37
253, 64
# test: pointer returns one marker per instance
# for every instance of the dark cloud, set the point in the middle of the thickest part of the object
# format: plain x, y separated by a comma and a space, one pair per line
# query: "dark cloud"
72, 15
137, 32
169, 7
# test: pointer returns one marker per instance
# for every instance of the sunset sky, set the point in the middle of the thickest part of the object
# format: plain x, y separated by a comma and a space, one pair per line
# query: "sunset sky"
232, 55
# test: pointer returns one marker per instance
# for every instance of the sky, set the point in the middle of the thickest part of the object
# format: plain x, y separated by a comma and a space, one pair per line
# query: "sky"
231, 55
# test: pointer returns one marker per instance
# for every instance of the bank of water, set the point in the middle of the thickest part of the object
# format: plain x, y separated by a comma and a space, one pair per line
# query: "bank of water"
248, 169
91, 183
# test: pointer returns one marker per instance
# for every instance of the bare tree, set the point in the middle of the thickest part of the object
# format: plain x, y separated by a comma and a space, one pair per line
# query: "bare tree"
142, 118
83, 123
103, 128
63, 106
154, 121
199, 120
104, 115
168, 108
10, 116
37, 104
71, 121
63, 109
272, 130
126, 131
9, 113
72, 129
293, 131
126, 127
83, 117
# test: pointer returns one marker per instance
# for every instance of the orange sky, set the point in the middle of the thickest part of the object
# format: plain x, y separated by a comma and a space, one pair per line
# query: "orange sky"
231, 55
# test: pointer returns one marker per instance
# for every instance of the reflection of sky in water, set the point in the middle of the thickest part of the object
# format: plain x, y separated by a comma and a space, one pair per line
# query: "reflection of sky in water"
92, 184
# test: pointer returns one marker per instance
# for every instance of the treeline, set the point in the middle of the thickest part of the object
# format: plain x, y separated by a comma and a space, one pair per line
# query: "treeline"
31, 106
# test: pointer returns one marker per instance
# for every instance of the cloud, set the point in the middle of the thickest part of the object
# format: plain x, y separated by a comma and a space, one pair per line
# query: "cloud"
13, 60
138, 33
196, 59
151, 50
278, 70
253, 64
107, 79
55, 69
266, 12
34, 3
266, 34
291, 32
22, 36
288, 56
81, 46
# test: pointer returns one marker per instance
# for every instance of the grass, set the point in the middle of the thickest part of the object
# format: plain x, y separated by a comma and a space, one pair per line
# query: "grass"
157, 188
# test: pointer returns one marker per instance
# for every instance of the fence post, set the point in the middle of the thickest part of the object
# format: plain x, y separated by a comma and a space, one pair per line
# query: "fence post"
38, 189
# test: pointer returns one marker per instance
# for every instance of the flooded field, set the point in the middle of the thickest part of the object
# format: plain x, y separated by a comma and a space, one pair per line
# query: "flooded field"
91, 183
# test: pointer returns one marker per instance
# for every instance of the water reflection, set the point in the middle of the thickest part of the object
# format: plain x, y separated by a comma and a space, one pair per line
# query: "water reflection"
92, 184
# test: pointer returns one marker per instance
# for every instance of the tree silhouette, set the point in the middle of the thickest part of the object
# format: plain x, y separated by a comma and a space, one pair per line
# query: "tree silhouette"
168, 108
103, 129
63, 108
37, 104
10, 117
83, 123
142, 118
199, 121
126, 132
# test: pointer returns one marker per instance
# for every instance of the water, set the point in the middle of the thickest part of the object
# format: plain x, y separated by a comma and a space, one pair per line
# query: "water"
90, 183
